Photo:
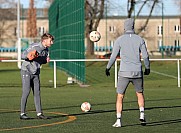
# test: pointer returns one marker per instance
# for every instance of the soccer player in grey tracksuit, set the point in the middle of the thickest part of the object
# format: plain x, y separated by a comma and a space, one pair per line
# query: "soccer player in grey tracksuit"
131, 47
30, 71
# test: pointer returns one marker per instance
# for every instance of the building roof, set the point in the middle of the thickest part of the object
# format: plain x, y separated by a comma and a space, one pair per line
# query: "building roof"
142, 17
11, 13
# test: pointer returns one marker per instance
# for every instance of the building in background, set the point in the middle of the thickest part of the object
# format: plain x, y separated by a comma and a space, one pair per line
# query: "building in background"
8, 39
160, 34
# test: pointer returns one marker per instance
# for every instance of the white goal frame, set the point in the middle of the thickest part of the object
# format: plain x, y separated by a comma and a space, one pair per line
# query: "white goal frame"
97, 60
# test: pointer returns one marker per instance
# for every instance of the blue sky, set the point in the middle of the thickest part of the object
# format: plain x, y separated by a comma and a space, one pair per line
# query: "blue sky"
38, 3
169, 8
118, 7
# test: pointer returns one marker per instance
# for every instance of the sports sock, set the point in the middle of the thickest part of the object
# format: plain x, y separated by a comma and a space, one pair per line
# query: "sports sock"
118, 115
22, 114
141, 109
142, 113
38, 114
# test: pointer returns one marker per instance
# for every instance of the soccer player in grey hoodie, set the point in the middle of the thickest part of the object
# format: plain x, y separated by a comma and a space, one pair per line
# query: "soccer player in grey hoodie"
34, 56
131, 47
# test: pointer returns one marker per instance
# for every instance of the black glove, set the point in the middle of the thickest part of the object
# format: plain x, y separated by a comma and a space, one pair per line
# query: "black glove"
147, 71
107, 72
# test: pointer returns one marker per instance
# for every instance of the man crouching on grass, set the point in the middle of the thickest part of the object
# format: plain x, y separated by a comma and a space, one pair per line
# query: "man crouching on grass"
34, 56
130, 46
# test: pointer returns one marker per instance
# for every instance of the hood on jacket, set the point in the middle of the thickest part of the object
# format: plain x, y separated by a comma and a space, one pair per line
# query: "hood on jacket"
129, 24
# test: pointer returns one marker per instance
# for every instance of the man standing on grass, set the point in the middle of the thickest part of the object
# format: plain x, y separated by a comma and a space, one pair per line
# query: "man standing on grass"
131, 47
35, 55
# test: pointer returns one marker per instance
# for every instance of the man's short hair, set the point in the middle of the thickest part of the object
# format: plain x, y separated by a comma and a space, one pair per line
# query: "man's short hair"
46, 36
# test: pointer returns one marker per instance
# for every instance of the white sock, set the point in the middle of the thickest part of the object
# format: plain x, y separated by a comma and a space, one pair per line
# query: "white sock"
118, 115
22, 114
141, 109
38, 114
142, 115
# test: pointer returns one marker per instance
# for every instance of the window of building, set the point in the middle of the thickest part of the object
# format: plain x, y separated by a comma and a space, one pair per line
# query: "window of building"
160, 30
41, 30
111, 43
40, 13
15, 31
160, 43
177, 28
112, 29
177, 43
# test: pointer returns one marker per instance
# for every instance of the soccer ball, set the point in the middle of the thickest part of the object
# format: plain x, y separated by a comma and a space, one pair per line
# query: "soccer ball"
95, 36
85, 106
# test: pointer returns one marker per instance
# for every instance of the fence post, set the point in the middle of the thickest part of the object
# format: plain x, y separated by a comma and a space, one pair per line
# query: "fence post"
178, 68
116, 77
19, 52
55, 76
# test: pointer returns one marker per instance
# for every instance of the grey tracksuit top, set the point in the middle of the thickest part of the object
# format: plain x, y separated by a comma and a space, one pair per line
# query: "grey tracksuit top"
130, 47
34, 66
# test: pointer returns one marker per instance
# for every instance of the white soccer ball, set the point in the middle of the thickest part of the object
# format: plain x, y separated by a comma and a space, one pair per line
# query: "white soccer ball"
95, 36
85, 106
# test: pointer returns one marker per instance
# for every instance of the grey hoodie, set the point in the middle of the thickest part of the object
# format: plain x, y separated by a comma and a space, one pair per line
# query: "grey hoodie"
130, 46
34, 66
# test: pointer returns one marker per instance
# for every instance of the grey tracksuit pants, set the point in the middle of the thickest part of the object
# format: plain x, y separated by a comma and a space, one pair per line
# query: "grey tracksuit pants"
30, 81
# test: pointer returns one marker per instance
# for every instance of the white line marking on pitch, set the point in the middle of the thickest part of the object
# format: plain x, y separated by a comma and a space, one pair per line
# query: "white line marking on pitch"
163, 74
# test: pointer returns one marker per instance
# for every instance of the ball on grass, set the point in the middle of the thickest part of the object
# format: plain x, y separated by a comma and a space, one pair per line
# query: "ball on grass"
85, 106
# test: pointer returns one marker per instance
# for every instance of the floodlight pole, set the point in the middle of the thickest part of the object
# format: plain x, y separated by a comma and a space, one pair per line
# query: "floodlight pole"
18, 35
106, 28
162, 32
134, 11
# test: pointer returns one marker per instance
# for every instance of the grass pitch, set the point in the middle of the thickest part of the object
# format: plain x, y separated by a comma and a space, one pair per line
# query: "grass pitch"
62, 104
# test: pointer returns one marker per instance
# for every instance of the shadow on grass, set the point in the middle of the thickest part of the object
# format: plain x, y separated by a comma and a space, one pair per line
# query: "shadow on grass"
20, 85
148, 108
84, 113
156, 123
9, 70
3, 111
108, 111
133, 109
164, 122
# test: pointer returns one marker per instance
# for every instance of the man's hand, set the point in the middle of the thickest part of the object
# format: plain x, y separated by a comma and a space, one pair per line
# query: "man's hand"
48, 59
107, 72
32, 55
147, 71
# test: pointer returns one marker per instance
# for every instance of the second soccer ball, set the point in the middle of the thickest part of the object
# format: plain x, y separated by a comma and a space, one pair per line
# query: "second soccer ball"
95, 36
85, 106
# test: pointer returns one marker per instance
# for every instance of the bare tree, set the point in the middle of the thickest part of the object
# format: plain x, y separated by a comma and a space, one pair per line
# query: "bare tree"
94, 10
7, 4
7, 13
178, 3
50, 1
31, 22
46, 6
151, 4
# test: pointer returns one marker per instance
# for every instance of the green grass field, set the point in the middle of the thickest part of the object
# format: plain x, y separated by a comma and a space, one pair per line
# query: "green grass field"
163, 106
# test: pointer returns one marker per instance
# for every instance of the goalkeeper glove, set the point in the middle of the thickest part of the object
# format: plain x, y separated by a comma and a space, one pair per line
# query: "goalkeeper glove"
107, 72
32, 55
147, 71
